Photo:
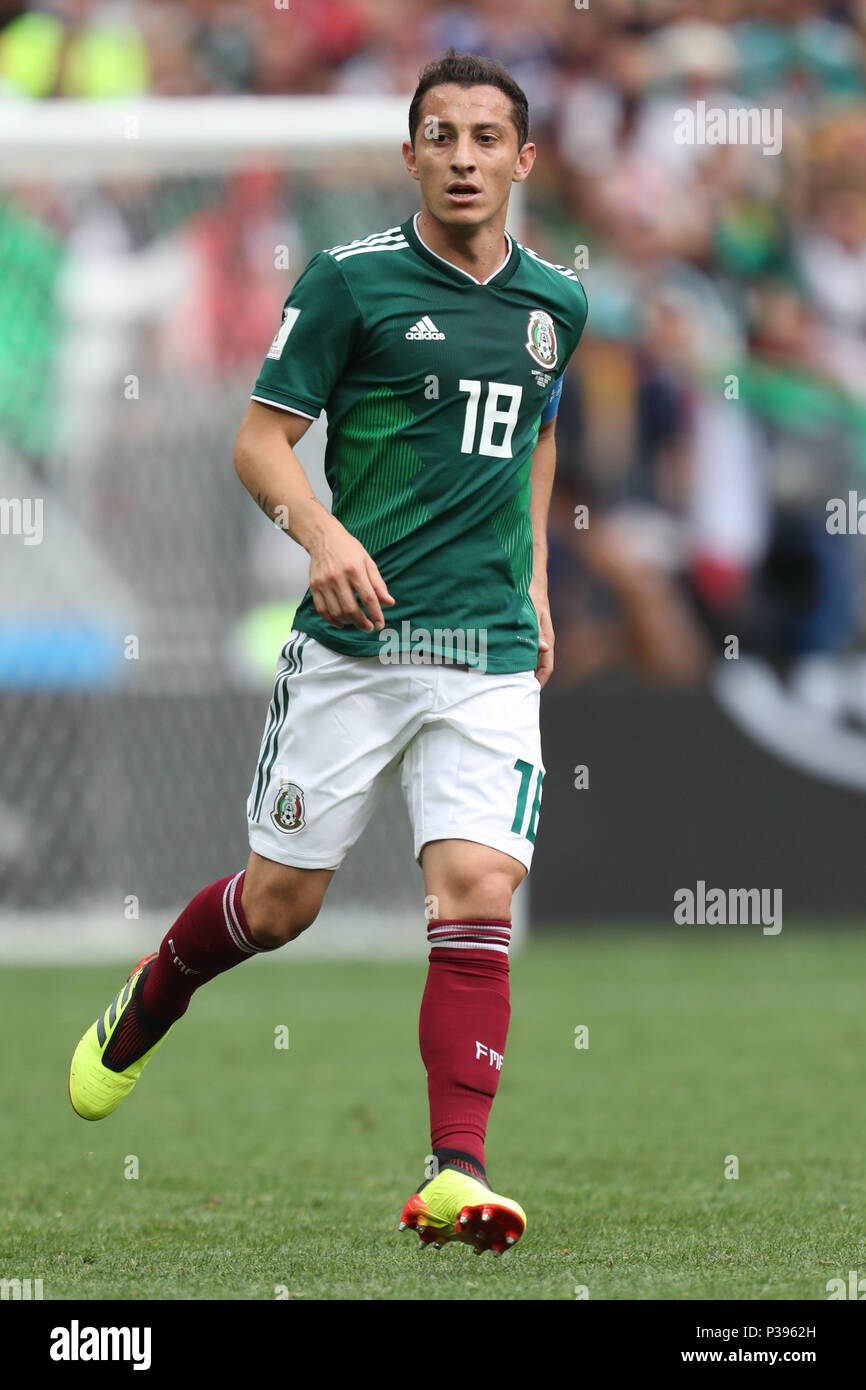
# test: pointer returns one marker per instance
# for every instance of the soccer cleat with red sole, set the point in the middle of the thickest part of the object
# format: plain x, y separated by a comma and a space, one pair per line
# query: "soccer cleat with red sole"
453, 1206
491, 1227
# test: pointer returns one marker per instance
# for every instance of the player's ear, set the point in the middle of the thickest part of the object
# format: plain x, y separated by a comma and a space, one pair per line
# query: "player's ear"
409, 157
525, 161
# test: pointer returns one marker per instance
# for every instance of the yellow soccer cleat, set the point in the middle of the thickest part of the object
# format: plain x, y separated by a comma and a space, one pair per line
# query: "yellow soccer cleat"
453, 1206
95, 1089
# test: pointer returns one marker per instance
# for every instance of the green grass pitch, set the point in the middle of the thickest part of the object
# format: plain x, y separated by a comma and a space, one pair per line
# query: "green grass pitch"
261, 1167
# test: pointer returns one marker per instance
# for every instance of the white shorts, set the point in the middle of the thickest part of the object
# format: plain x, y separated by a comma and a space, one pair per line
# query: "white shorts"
466, 744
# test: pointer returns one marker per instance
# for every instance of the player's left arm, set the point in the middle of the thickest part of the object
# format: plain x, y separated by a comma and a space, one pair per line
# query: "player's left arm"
541, 484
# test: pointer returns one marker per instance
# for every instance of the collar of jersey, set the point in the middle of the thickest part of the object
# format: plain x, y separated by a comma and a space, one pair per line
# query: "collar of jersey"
461, 277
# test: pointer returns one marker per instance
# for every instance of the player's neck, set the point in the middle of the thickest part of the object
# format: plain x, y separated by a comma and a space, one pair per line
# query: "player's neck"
480, 251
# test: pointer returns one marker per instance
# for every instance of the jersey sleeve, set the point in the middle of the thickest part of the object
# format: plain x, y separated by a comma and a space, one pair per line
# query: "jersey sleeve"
579, 311
552, 405
576, 311
313, 343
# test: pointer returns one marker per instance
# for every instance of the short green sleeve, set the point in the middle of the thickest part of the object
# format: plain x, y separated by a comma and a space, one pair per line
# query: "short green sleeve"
580, 311
313, 343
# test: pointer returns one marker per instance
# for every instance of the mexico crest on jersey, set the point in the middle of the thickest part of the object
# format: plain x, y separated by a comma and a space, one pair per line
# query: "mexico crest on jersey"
541, 338
288, 812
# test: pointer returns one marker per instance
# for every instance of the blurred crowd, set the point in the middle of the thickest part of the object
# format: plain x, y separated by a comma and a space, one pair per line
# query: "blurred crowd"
718, 400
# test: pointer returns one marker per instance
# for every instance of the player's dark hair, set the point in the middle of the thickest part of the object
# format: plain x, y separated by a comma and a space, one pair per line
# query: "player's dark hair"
471, 70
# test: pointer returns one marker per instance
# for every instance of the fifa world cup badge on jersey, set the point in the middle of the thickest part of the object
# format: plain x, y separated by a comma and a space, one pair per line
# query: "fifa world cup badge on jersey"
541, 338
288, 812
290, 318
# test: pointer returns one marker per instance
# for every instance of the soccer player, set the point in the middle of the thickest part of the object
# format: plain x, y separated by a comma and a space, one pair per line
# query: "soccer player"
437, 349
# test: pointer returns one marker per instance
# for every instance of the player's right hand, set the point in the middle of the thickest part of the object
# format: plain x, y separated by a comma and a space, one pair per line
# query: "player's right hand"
345, 583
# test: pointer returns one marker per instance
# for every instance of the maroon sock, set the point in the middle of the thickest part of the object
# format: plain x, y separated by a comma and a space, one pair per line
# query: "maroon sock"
463, 1027
210, 936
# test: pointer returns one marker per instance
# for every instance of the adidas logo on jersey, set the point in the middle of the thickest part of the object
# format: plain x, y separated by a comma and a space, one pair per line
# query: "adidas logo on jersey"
425, 329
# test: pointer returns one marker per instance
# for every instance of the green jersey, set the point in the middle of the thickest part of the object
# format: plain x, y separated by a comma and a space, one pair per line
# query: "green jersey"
434, 385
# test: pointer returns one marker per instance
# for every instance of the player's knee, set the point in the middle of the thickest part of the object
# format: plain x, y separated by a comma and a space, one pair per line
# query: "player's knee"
484, 895
273, 925
276, 918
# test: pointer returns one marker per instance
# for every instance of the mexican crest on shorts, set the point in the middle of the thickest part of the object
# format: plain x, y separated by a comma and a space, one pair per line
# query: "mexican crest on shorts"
288, 812
541, 338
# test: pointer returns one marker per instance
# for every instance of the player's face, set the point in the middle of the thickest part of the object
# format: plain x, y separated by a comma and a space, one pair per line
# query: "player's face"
466, 155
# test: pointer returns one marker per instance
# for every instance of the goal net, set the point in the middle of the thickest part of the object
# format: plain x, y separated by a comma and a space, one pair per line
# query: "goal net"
145, 252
